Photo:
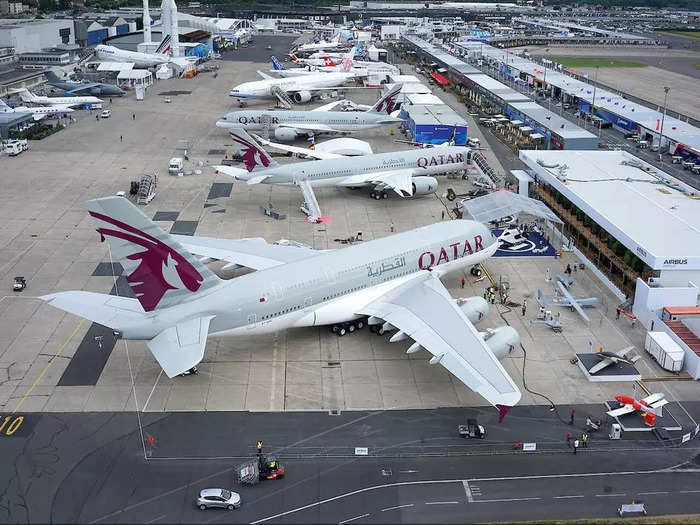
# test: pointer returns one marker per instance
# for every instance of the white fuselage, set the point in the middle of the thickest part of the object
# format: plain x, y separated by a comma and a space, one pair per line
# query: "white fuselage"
340, 121
40, 112
260, 89
341, 172
114, 54
329, 287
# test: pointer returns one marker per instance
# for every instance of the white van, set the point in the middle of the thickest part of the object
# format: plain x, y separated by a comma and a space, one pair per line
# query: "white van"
176, 164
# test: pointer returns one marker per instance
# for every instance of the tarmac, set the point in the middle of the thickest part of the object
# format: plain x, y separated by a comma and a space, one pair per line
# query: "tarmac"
106, 437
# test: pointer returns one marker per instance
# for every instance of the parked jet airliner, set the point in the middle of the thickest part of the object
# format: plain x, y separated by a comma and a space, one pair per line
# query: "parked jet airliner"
392, 282
288, 125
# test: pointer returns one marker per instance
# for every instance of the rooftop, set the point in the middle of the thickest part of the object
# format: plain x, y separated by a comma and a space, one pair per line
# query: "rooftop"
627, 197
558, 124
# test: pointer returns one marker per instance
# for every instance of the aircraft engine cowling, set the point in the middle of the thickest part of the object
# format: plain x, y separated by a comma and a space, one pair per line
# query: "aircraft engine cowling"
302, 96
475, 308
424, 185
285, 134
502, 340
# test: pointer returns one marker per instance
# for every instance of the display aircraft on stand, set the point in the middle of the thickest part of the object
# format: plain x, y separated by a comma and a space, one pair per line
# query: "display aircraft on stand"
38, 113
406, 172
28, 96
393, 281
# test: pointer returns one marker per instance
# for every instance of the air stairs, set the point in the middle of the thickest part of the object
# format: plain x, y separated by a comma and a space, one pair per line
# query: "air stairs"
310, 205
487, 171
147, 188
284, 99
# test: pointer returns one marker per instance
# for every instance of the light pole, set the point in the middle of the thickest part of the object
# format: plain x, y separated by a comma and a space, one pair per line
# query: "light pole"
663, 117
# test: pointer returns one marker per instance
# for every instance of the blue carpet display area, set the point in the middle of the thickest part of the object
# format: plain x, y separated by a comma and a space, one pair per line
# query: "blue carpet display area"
534, 246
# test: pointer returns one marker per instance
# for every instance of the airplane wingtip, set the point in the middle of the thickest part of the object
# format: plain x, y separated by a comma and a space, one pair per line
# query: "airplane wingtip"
502, 411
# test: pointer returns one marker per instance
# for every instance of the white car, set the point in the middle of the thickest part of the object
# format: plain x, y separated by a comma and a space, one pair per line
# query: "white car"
218, 498
106, 113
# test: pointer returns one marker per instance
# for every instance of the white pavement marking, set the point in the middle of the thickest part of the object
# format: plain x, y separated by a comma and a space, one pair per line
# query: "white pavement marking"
407, 471
652, 493
152, 390
398, 507
609, 495
158, 518
568, 497
442, 502
468, 491
689, 491
504, 500
353, 519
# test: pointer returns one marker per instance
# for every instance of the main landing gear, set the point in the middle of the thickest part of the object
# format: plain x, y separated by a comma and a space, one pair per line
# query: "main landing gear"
347, 328
377, 329
378, 195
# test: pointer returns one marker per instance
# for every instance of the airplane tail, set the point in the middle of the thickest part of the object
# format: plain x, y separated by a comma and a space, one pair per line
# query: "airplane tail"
276, 64
347, 65
51, 76
27, 96
254, 156
328, 61
387, 102
160, 272
295, 58
164, 47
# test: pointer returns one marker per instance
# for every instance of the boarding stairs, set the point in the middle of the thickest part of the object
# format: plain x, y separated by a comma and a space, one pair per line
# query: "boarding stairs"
284, 99
488, 172
147, 188
310, 205
266, 122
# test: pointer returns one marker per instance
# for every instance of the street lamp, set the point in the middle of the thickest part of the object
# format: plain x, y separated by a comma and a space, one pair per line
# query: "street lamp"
663, 117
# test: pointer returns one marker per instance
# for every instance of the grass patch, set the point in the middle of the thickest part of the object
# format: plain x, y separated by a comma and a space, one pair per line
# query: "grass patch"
687, 34
696, 66
593, 62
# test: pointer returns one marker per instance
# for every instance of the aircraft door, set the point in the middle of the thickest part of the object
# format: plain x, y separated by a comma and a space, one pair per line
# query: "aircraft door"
307, 302
252, 321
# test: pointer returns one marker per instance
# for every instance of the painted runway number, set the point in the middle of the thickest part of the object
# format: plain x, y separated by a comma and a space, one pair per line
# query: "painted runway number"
9, 425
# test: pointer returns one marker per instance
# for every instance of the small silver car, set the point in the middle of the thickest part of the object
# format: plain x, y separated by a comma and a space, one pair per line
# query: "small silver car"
218, 498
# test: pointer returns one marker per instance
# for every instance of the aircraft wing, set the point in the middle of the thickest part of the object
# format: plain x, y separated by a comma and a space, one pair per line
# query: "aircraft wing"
398, 180
83, 88
315, 128
265, 75
253, 253
625, 409
599, 366
424, 310
115, 66
327, 107
37, 117
299, 151
572, 301
180, 347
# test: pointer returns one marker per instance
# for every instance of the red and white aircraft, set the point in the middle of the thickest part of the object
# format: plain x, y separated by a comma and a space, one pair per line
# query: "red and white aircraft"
651, 406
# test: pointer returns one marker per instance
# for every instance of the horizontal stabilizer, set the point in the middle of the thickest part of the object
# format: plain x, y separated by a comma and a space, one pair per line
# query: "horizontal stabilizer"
180, 347
107, 310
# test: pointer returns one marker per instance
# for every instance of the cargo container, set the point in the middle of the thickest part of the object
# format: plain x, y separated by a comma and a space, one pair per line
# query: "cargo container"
664, 350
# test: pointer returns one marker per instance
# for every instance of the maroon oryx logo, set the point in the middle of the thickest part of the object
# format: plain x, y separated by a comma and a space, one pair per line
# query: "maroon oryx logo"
252, 155
387, 104
161, 268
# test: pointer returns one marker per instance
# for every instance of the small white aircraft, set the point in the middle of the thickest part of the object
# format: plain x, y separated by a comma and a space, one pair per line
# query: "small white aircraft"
612, 358
28, 96
336, 43
38, 113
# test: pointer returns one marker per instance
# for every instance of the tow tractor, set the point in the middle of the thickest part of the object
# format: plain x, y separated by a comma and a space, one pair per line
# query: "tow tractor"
19, 284
256, 470
472, 430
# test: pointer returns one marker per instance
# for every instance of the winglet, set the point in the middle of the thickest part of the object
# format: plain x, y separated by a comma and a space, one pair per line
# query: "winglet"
502, 411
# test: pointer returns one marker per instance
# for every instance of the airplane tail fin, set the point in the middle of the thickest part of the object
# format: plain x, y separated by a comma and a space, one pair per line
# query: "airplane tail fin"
254, 156
276, 64
328, 61
159, 270
51, 76
295, 58
386, 102
27, 96
347, 65
164, 47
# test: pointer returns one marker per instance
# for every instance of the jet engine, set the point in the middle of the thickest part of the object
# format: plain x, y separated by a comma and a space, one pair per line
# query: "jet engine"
285, 134
475, 308
501, 340
424, 185
301, 97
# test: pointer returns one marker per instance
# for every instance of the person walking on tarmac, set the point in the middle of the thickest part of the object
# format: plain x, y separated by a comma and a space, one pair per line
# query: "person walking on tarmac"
584, 440
259, 446
524, 306
568, 439
576, 444
463, 282
573, 416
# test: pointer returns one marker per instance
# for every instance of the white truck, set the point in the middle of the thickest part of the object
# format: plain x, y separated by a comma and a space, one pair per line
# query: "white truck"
664, 350
175, 165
